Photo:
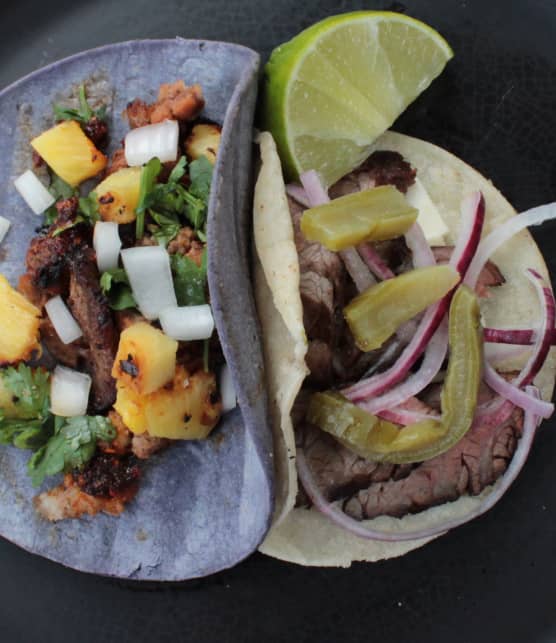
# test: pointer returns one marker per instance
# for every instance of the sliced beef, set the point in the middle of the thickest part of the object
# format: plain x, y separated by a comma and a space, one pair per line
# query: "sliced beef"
489, 277
49, 252
75, 355
90, 308
381, 168
471, 465
340, 472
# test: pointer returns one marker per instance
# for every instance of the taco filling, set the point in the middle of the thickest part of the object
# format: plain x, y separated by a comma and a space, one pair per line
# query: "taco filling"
404, 405
108, 352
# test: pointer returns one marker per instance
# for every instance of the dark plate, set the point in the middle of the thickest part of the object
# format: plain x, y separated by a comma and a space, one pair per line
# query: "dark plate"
491, 581
202, 506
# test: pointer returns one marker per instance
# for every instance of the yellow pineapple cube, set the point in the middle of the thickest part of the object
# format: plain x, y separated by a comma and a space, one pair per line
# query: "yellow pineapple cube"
188, 410
70, 154
146, 359
130, 406
118, 195
19, 325
203, 140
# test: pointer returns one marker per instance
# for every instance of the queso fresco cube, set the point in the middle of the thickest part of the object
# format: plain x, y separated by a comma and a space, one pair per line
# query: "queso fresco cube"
70, 154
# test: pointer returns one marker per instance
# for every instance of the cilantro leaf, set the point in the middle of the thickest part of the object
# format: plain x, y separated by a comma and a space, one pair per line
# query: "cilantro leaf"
200, 173
72, 446
88, 208
83, 114
59, 190
29, 390
167, 227
149, 174
28, 407
115, 285
189, 279
179, 170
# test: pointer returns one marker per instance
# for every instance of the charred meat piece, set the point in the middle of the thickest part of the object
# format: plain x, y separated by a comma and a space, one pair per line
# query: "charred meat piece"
74, 355
177, 101
97, 131
489, 277
69, 501
144, 446
107, 475
187, 244
138, 113
467, 468
90, 308
117, 162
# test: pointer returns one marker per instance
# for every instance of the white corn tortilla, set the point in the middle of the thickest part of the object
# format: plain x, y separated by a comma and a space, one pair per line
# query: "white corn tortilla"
305, 536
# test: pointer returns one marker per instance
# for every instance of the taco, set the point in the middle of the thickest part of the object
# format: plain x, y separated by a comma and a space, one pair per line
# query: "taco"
349, 507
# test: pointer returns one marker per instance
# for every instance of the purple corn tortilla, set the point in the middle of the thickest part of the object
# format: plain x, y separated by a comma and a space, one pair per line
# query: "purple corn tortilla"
202, 506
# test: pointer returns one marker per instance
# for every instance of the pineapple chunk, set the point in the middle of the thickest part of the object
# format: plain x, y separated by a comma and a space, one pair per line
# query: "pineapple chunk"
146, 359
131, 407
19, 325
203, 140
189, 410
118, 195
71, 155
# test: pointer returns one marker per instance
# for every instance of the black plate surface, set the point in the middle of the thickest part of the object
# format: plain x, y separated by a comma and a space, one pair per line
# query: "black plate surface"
493, 580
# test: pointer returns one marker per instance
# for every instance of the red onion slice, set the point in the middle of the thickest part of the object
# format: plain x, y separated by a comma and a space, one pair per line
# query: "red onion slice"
503, 233
419, 246
518, 336
298, 194
314, 188
399, 415
415, 383
317, 195
515, 395
470, 233
499, 411
338, 517
374, 262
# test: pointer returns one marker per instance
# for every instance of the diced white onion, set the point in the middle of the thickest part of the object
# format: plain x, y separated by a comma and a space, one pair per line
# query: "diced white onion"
66, 327
150, 276
4, 227
431, 221
187, 323
227, 389
69, 392
107, 244
37, 197
144, 143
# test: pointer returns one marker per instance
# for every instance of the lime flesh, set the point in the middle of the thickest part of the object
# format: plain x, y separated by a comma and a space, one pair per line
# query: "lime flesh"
335, 87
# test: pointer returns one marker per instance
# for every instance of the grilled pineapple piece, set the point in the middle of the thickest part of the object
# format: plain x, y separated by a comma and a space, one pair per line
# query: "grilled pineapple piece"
19, 325
203, 140
188, 409
146, 359
131, 407
71, 155
118, 195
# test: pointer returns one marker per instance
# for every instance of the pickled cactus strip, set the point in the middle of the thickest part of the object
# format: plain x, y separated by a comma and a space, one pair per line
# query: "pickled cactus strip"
373, 215
382, 441
376, 314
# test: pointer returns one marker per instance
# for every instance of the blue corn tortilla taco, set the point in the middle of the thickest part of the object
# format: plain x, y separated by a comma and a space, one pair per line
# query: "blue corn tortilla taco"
115, 341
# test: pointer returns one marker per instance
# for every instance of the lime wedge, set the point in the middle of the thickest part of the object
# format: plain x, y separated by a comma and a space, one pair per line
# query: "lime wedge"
334, 88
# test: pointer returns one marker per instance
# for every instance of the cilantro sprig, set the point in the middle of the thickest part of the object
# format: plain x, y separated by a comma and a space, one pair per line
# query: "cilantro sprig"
115, 285
83, 114
59, 444
168, 202
72, 446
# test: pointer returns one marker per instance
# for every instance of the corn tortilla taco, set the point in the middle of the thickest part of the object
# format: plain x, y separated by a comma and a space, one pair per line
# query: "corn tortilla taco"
425, 499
